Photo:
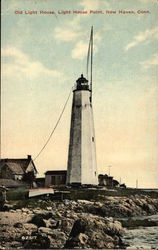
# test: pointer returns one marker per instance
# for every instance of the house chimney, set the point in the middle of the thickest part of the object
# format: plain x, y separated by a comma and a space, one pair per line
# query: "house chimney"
29, 157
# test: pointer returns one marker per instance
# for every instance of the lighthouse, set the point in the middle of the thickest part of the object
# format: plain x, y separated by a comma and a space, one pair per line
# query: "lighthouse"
82, 167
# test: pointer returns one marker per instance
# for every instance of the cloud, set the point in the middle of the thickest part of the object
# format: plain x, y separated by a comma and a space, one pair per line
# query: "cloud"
70, 31
147, 1
80, 50
97, 37
93, 4
89, 4
65, 35
153, 61
20, 65
145, 36
75, 23
73, 32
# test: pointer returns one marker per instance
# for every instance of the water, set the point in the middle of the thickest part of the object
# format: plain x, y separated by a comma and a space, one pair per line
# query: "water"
142, 237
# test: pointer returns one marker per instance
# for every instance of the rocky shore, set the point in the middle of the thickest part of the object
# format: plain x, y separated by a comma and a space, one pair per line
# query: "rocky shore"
71, 224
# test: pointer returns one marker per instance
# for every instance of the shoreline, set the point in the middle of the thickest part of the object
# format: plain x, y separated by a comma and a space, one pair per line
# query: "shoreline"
71, 223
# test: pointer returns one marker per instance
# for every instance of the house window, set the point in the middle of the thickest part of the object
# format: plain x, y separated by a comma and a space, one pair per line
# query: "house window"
92, 138
53, 180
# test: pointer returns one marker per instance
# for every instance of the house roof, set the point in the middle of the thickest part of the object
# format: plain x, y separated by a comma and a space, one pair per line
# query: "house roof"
18, 166
15, 167
56, 172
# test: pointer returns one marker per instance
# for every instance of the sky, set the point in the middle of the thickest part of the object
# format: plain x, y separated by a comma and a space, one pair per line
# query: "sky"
44, 54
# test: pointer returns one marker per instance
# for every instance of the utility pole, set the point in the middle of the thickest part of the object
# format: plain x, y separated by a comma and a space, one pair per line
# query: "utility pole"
120, 180
137, 184
109, 169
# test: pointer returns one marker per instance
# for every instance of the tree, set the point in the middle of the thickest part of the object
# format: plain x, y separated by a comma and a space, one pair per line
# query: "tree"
29, 177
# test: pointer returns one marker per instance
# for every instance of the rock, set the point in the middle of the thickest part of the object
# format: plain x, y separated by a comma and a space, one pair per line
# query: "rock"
99, 204
45, 230
47, 215
44, 214
39, 211
7, 207
61, 206
73, 224
74, 203
18, 225
73, 216
66, 202
57, 243
79, 227
58, 215
55, 226
82, 238
25, 210
15, 244
30, 227
99, 240
57, 239
57, 234
94, 232
148, 208
66, 225
18, 210
85, 202
12, 211
38, 221
114, 229
49, 208
110, 219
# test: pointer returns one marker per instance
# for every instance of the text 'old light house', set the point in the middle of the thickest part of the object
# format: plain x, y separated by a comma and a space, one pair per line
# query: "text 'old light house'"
82, 167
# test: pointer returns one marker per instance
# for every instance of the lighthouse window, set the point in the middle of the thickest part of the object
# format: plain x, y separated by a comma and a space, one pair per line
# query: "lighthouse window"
93, 139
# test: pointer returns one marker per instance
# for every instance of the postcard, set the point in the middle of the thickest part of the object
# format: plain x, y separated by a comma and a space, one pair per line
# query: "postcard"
79, 124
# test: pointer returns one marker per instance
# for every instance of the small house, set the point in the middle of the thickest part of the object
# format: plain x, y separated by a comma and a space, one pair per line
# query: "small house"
107, 181
55, 178
17, 169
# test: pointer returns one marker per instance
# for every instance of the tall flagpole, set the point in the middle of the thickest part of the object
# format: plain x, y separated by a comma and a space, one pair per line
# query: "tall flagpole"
91, 62
90, 56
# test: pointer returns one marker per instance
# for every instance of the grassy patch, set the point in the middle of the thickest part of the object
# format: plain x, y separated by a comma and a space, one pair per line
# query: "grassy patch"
17, 194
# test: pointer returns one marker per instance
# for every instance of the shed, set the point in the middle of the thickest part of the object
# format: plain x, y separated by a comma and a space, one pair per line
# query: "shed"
55, 177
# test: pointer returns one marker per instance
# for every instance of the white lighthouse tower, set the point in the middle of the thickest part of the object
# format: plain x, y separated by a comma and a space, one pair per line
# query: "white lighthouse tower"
82, 167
